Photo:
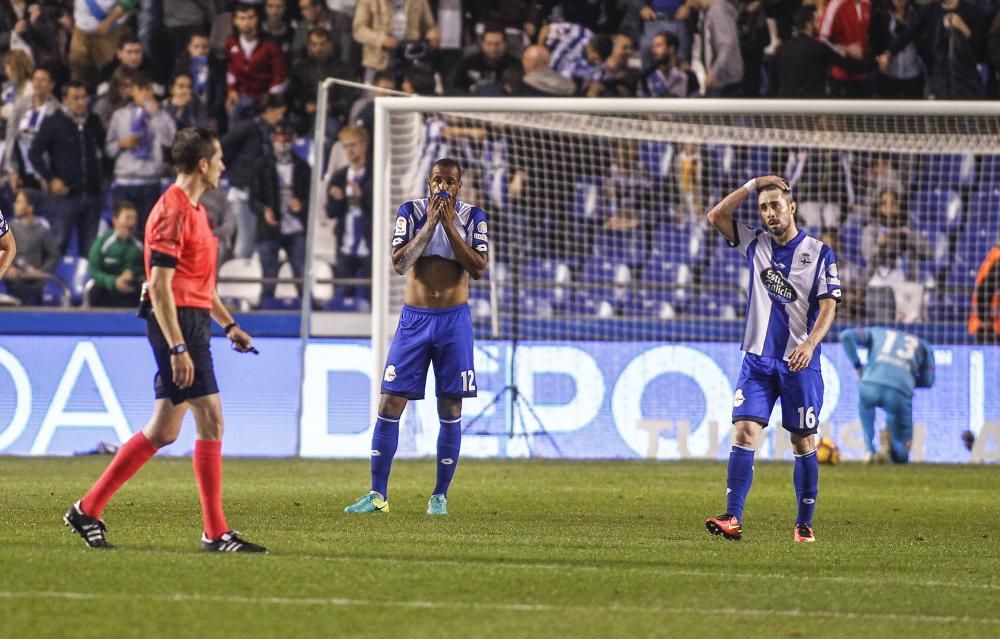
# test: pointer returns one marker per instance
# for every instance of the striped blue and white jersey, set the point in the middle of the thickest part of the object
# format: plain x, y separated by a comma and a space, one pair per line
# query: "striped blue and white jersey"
4, 229
566, 42
470, 221
786, 284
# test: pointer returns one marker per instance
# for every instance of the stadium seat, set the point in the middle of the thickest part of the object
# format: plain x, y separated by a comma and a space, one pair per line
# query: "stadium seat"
608, 285
989, 170
671, 242
246, 294
756, 161
322, 292
588, 200
348, 305
723, 165
946, 170
936, 209
73, 272
620, 246
656, 157
984, 211
850, 244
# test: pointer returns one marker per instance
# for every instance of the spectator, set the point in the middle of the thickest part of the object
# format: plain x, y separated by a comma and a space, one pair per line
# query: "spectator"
882, 175
891, 249
801, 63
515, 17
663, 79
615, 79
182, 107
901, 75
130, 57
117, 95
382, 27
480, 72
243, 146
34, 29
280, 196
715, 53
221, 220
17, 68
26, 119
115, 261
993, 59
984, 319
847, 22
307, 74
952, 37
341, 16
208, 76
540, 79
754, 38
37, 253
98, 25
363, 109
68, 154
350, 206
275, 26
137, 138
256, 67
184, 18
664, 16
314, 15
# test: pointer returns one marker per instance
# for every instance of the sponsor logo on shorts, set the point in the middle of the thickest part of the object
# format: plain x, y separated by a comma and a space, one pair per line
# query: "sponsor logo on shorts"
808, 500
481, 227
447, 461
400, 226
778, 286
390, 373
738, 398
376, 453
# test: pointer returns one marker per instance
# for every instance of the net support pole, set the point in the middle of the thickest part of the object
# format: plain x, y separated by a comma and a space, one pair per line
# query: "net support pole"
380, 247
317, 202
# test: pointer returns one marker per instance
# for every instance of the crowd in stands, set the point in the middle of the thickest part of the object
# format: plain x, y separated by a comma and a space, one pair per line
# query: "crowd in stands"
95, 90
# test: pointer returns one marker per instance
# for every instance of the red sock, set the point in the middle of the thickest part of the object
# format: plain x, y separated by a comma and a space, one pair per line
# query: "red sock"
127, 462
208, 473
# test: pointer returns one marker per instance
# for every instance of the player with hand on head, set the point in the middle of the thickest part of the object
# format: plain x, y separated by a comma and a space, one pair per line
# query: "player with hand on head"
794, 291
898, 362
8, 247
181, 256
438, 241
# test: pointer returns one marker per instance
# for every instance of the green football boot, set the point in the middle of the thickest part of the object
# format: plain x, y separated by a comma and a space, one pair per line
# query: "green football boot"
370, 503
438, 505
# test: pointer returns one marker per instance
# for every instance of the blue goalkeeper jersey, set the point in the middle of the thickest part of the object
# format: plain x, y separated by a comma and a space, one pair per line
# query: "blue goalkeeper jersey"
895, 358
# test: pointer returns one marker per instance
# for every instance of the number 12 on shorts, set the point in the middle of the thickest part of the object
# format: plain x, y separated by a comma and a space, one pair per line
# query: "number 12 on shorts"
468, 381
807, 417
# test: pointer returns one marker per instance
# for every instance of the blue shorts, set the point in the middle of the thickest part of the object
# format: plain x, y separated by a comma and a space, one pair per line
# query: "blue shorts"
764, 379
424, 335
898, 407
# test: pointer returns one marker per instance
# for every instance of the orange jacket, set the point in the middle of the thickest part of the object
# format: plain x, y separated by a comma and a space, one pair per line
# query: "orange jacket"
987, 286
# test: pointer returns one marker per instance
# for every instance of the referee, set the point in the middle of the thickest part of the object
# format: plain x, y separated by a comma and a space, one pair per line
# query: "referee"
180, 258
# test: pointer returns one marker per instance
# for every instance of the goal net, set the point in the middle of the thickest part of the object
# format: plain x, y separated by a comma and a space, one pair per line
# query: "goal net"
604, 270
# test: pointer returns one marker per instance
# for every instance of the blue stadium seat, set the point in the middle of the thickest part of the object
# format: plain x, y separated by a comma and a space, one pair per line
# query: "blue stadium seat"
671, 242
949, 170
348, 304
73, 272
850, 244
984, 211
757, 162
726, 268
936, 209
620, 246
612, 286
989, 170
588, 200
656, 157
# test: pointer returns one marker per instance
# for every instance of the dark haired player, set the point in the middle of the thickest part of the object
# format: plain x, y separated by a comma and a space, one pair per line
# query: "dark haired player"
180, 255
794, 290
438, 241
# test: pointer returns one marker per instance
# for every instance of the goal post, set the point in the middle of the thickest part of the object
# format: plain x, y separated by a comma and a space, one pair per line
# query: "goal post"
597, 211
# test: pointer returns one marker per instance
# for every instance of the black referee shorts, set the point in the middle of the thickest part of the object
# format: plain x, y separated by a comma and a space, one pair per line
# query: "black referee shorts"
196, 327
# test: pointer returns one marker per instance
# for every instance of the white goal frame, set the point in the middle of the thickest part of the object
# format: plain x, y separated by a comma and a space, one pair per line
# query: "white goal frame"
382, 323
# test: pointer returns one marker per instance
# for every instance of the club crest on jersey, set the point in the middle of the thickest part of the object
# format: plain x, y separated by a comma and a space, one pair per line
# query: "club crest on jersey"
390, 373
805, 259
778, 286
738, 398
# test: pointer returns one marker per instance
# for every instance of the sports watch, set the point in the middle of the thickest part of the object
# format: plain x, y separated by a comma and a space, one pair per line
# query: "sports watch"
180, 349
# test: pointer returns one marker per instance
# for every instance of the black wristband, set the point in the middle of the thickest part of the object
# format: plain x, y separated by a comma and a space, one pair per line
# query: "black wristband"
180, 349
229, 327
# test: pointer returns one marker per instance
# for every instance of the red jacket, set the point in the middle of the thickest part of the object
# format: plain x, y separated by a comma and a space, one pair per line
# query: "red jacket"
846, 22
986, 286
262, 72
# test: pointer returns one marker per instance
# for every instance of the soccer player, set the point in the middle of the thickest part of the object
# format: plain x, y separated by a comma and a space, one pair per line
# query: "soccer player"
898, 362
180, 259
794, 290
438, 241
8, 247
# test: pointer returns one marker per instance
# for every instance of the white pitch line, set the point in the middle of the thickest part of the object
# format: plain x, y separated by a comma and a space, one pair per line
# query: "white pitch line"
340, 602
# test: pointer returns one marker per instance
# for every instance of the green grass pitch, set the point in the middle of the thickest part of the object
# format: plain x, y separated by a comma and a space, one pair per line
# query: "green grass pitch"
546, 548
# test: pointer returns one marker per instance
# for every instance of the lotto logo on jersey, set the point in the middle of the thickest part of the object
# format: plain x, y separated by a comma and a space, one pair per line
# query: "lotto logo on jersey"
400, 227
778, 286
738, 398
396, 241
390, 373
